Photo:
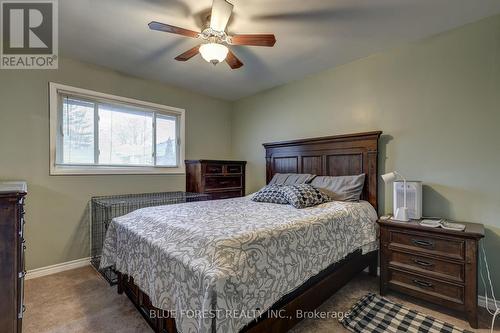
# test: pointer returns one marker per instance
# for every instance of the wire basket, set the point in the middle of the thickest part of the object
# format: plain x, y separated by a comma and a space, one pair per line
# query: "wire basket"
106, 208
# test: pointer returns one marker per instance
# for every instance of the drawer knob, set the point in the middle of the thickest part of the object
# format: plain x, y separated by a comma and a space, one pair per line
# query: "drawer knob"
422, 283
423, 263
422, 243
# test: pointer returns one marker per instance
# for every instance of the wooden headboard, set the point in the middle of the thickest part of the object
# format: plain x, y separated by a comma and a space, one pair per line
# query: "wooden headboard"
339, 155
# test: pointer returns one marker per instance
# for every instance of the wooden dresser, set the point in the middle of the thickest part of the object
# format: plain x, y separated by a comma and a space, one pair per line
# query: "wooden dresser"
433, 264
12, 255
220, 179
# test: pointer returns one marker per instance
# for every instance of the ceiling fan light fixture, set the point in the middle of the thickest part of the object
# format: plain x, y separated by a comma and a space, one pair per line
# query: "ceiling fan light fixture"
213, 52
216, 41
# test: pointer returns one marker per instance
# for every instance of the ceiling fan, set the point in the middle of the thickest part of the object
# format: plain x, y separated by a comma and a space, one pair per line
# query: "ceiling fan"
214, 49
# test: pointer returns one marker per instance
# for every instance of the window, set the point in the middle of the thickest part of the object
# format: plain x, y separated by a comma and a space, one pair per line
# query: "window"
95, 133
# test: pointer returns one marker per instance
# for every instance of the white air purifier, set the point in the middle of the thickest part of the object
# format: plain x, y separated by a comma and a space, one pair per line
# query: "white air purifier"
413, 198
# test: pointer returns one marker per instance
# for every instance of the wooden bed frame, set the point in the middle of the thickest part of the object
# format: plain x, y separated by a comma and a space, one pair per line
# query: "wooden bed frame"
340, 155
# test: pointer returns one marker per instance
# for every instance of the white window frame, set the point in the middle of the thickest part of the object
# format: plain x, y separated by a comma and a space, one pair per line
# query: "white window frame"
55, 89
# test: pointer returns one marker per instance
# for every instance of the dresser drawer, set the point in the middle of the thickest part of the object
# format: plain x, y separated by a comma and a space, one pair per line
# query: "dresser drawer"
213, 168
225, 195
425, 286
425, 265
215, 182
234, 169
427, 243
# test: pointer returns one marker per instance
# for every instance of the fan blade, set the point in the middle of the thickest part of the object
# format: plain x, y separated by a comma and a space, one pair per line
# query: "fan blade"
232, 61
254, 40
221, 12
188, 54
172, 29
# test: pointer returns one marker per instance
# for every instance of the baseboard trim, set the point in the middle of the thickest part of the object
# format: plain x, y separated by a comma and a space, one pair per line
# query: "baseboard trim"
481, 301
57, 268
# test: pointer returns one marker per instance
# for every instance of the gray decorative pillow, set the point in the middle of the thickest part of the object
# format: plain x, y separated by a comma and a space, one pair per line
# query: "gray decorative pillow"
341, 188
303, 195
270, 194
291, 178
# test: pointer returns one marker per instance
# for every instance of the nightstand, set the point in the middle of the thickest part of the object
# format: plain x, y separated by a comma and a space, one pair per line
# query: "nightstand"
432, 264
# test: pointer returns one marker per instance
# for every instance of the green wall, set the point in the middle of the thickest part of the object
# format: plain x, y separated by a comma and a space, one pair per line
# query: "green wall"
57, 216
437, 102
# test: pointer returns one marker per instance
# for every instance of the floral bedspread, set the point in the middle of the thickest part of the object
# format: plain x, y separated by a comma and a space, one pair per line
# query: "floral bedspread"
216, 264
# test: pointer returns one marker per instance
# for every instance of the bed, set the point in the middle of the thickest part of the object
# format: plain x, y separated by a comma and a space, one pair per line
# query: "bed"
237, 265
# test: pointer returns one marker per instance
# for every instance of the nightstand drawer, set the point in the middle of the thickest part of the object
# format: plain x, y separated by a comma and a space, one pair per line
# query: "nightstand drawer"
424, 286
427, 243
428, 266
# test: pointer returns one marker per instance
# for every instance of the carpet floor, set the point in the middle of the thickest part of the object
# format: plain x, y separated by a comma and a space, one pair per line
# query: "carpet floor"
80, 301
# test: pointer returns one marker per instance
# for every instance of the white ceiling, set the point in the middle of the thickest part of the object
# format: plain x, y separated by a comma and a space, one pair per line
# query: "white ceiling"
312, 35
